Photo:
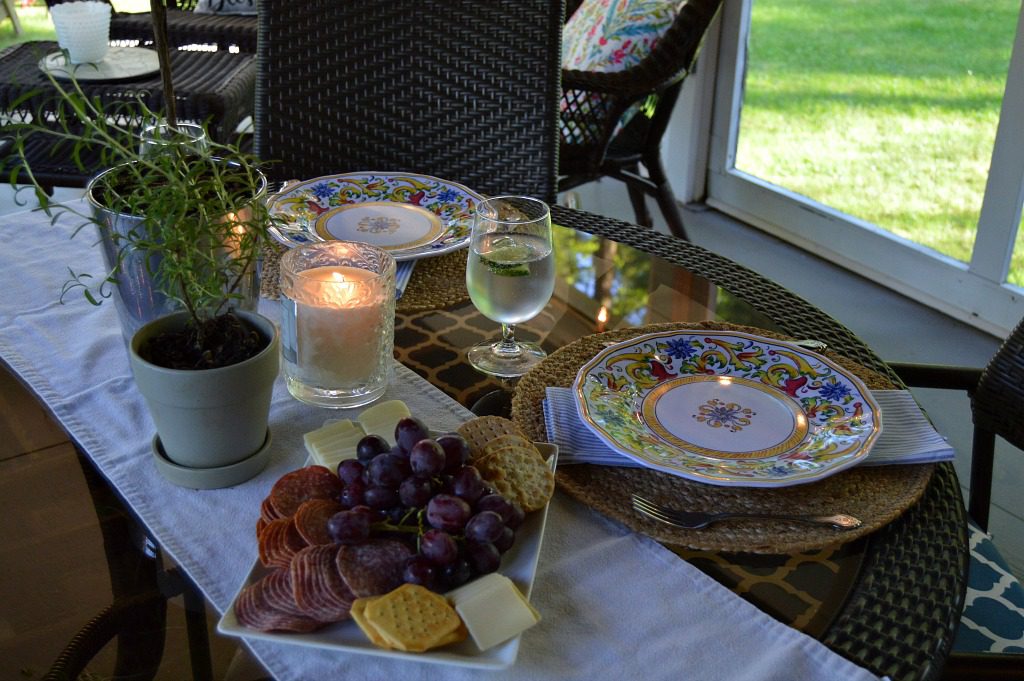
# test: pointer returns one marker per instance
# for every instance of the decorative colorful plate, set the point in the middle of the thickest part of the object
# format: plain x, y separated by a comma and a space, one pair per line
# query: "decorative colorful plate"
410, 216
727, 408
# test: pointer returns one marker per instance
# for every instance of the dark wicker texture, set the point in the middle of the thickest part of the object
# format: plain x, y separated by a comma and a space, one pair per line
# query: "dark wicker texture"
903, 610
185, 27
463, 90
593, 103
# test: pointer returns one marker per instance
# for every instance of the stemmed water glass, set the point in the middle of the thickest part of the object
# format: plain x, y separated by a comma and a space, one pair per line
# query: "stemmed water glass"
510, 276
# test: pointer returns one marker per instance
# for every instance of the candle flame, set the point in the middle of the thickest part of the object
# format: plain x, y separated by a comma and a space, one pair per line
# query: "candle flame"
602, 314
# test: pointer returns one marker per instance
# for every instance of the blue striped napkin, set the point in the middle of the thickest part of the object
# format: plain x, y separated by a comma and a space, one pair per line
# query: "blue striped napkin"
402, 274
907, 436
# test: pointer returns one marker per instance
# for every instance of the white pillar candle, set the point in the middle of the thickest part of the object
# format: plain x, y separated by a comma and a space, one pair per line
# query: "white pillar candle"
339, 329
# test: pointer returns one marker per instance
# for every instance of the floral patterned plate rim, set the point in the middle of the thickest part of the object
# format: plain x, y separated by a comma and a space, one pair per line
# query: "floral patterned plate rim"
411, 216
727, 408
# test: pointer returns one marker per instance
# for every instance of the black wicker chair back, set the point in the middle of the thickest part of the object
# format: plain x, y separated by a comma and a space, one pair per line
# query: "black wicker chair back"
594, 102
459, 89
184, 27
997, 407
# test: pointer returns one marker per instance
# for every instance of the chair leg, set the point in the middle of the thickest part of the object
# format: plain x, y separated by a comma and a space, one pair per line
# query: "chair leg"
140, 639
198, 637
638, 197
665, 196
982, 460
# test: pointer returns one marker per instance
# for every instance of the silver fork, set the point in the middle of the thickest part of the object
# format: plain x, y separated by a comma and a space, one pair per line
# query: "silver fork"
693, 520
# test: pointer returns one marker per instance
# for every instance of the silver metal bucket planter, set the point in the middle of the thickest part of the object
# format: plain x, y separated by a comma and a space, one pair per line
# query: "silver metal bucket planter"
211, 423
137, 298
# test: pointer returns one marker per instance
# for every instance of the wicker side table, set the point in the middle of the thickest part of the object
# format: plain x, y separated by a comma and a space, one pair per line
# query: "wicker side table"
213, 87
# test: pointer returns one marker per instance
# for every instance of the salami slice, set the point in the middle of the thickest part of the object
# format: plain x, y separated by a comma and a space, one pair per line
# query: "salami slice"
311, 520
254, 609
267, 512
278, 542
373, 568
311, 482
319, 590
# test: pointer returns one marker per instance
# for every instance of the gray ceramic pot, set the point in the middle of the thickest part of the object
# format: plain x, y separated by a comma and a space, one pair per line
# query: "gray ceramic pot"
210, 419
136, 297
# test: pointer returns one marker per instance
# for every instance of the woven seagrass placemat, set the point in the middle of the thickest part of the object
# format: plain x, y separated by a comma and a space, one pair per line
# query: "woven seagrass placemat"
436, 282
876, 495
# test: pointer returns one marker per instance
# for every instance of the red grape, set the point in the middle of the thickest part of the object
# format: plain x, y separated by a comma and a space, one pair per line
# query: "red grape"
380, 498
505, 540
387, 470
485, 527
456, 574
438, 547
419, 570
415, 492
370, 446
496, 503
352, 526
456, 451
447, 512
484, 558
409, 431
352, 495
467, 484
351, 469
426, 458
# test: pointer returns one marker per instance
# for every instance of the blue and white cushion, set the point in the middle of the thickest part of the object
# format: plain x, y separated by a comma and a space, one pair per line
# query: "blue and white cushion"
993, 617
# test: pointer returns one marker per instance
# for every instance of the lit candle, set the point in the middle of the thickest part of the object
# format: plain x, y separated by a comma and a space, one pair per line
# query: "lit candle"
339, 329
337, 322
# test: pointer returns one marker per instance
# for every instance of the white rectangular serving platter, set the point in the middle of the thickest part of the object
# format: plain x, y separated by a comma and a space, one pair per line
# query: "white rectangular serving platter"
519, 564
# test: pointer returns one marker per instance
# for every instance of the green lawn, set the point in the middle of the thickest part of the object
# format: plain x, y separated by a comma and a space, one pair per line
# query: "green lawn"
884, 109
36, 24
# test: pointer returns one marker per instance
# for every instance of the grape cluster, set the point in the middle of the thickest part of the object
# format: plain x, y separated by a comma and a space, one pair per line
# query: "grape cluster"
424, 491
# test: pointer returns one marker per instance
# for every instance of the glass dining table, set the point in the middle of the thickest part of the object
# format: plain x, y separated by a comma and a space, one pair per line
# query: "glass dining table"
888, 600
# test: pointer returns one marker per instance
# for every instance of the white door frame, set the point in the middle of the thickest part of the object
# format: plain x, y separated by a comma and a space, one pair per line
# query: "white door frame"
972, 292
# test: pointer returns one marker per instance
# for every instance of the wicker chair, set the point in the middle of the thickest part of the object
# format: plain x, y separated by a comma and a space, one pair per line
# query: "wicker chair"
997, 406
594, 102
459, 89
184, 27
136, 619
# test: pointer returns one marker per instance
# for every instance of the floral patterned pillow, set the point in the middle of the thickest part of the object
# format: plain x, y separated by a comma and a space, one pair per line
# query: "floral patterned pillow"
226, 7
612, 35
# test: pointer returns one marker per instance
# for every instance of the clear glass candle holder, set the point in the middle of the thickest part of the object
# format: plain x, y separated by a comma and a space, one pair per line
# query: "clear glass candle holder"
338, 323
160, 138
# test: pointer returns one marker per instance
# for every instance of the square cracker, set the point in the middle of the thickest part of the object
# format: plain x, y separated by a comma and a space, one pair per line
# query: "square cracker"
414, 619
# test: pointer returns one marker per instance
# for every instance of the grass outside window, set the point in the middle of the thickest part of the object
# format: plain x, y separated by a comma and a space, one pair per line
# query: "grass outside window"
884, 109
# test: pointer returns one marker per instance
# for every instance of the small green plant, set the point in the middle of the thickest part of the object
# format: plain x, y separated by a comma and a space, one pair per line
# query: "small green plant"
201, 221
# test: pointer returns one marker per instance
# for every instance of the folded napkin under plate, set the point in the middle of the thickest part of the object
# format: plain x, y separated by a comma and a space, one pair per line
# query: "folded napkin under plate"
402, 275
907, 436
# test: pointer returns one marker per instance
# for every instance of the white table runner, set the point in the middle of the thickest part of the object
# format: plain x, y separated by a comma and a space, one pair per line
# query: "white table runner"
615, 605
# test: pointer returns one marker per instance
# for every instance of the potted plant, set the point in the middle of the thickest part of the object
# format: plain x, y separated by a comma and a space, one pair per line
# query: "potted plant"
182, 223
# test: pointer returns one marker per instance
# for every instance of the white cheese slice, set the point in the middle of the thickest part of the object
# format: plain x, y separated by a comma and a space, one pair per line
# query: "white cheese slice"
493, 610
327, 431
381, 419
